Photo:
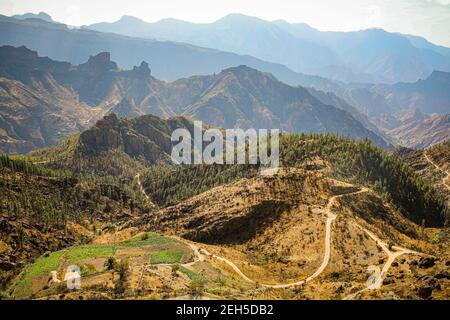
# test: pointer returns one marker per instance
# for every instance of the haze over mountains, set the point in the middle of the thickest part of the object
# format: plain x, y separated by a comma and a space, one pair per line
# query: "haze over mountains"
41, 15
87, 179
381, 111
169, 60
363, 56
239, 97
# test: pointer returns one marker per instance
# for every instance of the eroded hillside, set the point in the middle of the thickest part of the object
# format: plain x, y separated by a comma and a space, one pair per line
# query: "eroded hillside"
296, 235
46, 100
43, 210
337, 212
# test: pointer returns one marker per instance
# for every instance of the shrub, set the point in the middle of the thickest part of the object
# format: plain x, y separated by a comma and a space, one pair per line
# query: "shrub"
122, 268
110, 263
3, 295
175, 268
196, 288
119, 287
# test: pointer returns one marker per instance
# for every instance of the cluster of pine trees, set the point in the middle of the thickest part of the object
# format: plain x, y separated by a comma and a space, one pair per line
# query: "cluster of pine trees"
52, 197
168, 185
363, 163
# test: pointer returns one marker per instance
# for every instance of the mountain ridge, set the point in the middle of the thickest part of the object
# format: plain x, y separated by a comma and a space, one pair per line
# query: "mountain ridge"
371, 55
99, 87
187, 60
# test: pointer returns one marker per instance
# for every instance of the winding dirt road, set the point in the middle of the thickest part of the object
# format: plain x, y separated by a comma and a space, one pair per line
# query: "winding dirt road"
138, 179
330, 219
441, 170
202, 254
326, 258
392, 255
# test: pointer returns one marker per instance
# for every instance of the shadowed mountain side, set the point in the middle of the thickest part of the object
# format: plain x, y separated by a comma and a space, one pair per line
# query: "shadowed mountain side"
239, 97
246, 98
169, 60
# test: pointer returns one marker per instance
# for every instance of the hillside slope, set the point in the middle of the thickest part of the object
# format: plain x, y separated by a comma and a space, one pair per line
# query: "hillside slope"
255, 236
432, 164
239, 97
45, 210
423, 133
244, 227
116, 147
36, 109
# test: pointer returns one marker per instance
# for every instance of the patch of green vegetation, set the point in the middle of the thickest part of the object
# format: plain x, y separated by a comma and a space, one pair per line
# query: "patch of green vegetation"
41, 267
4, 295
166, 256
64, 149
172, 184
362, 163
87, 269
147, 239
77, 254
193, 275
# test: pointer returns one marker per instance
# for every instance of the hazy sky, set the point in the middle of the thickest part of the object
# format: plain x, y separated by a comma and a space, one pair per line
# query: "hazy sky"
427, 18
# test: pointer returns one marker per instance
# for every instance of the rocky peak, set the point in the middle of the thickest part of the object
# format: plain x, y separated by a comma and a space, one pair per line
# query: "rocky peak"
143, 70
440, 77
108, 121
100, 63
22, 64
103, 136
243, 71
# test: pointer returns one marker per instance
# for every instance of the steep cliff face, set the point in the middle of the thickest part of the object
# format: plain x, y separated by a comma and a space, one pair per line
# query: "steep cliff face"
44, 101
146, 137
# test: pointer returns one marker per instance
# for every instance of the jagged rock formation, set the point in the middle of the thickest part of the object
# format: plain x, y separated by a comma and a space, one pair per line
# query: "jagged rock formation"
147, 136
239, 97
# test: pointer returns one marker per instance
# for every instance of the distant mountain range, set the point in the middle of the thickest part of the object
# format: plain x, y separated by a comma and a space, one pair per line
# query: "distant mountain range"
372, 55
386, 105
246, 98
423, 132
199, 73
75, 96
41, 15
169, 60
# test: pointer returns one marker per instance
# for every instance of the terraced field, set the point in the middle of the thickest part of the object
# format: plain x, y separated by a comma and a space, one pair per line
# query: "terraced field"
141, 250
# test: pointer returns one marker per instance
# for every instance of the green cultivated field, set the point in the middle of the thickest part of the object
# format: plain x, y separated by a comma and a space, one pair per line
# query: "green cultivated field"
35, 276
166, 256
